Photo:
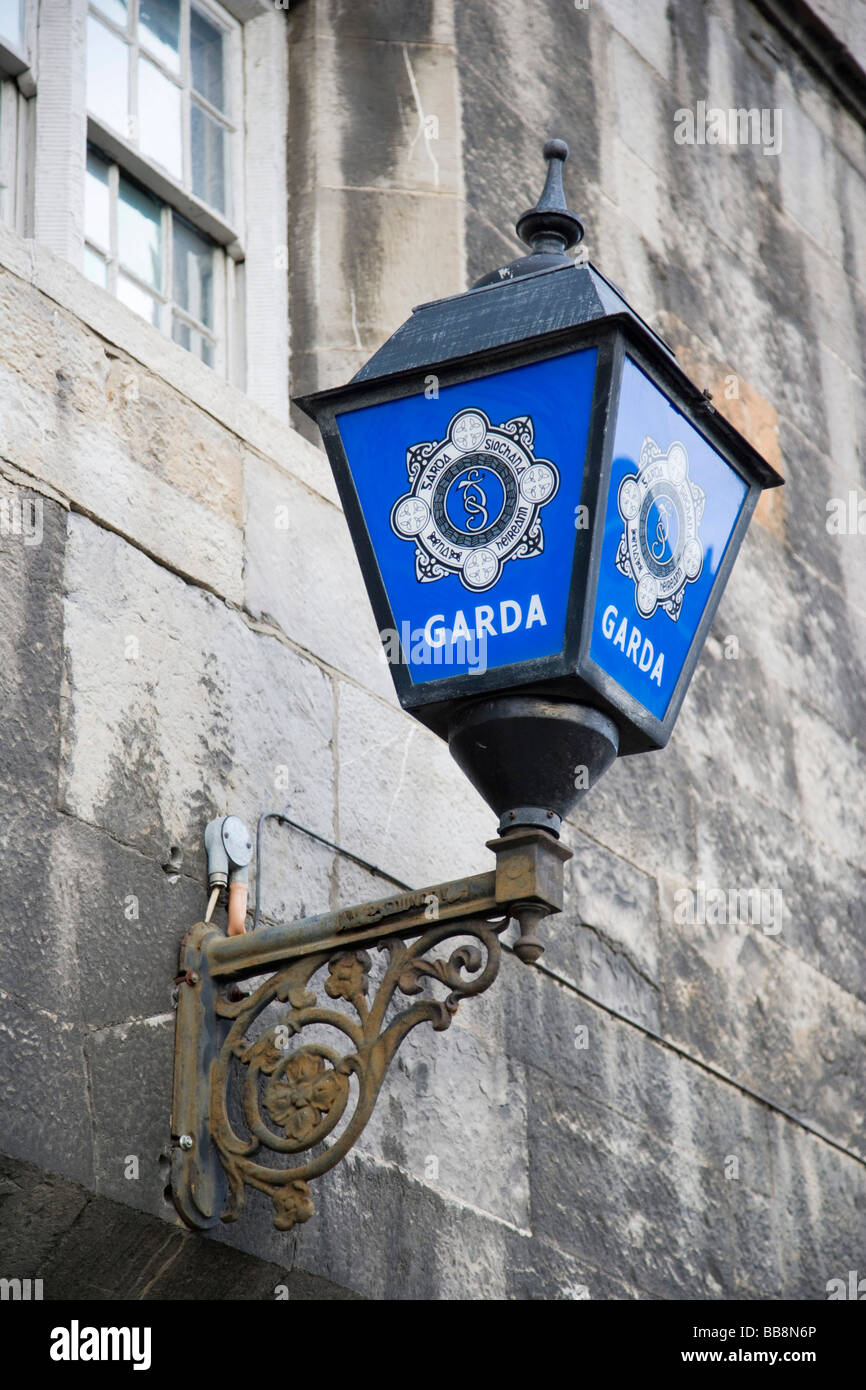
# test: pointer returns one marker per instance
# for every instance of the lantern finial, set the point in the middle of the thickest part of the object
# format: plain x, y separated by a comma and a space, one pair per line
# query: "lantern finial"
548, 229
550, 226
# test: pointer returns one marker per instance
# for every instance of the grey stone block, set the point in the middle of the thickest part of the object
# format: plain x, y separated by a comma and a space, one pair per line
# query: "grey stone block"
31, 641
39, 943
129, 920
45, 1113
602, 1187
402, 1240
36, 1208
131, 1069
178, 711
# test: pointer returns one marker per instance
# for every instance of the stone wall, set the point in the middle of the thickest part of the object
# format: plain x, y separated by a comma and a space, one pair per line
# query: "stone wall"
191, 636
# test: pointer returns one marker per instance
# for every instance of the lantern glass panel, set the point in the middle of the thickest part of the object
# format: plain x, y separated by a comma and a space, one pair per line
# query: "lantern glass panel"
672, 506
470, 496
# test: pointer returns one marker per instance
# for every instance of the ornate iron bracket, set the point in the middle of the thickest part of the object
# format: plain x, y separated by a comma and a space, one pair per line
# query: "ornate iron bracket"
247, 1089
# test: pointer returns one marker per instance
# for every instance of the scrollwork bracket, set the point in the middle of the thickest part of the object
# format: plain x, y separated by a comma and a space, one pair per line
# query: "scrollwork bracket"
255, 1104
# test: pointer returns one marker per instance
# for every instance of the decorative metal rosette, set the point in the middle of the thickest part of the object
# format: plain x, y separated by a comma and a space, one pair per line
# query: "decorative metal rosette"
660, 549
474, 500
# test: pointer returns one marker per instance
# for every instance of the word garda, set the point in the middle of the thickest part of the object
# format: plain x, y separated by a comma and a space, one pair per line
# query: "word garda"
630, 644
436, 634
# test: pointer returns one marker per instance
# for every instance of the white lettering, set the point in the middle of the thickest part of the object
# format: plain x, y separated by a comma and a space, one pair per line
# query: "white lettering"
536, 612
508, 605
484, 620
629, 640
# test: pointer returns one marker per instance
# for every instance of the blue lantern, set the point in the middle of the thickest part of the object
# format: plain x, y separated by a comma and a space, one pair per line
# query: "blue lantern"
546, 511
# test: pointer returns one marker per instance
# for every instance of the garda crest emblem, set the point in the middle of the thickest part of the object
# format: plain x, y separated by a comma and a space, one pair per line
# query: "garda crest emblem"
474, 499
660, 549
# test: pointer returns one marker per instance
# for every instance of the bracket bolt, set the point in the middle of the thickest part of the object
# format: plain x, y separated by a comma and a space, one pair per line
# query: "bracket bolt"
192, 977
185, 1141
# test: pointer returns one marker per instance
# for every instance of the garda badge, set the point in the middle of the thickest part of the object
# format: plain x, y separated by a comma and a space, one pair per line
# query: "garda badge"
660, 549
474, 500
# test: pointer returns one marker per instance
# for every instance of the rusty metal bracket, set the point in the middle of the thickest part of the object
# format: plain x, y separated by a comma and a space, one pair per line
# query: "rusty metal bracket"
254, 1105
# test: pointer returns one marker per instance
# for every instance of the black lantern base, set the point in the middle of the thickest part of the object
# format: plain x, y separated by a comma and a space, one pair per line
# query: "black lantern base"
532, 759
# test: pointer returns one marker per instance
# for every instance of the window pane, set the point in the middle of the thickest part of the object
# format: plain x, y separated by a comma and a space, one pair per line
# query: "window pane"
97, 205
207, 138
159, 30
193, 272
107, 76
139, 233
12, 21
95, 268
181, 332
138, 299
194, 342
159, 122
114, 9
206, 56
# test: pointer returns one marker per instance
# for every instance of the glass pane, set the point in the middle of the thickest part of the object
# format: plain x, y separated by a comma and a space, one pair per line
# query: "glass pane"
95, 268
181, 332
207, 139
139, 233
195, 343
97, 205
159, 123
113, 9
192, 257
12, 21
206, 56
159, 30
107, 76
138, 299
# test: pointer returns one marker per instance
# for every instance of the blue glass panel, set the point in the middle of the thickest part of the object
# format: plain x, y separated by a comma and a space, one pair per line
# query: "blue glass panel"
672, 506
470, 498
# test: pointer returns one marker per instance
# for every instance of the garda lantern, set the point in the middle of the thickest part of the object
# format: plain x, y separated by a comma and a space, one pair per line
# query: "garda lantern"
546, 511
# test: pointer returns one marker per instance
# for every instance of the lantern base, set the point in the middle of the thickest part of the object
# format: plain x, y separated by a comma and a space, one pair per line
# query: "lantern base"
532, 759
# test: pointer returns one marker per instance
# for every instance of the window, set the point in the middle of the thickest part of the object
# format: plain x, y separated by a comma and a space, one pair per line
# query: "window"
16, 84
158, 73
159, 184
13, 18
147, 189
149, 256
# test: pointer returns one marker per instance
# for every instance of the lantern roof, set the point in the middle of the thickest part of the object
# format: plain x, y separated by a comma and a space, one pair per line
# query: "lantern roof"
542, 299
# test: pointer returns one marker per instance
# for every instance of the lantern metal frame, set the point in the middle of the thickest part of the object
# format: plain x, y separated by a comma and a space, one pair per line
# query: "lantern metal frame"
486, 329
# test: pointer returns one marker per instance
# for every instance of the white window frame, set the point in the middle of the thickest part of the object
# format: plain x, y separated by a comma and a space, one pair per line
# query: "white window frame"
220, 227
124, 154
169, 309
17, 86
255, 327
